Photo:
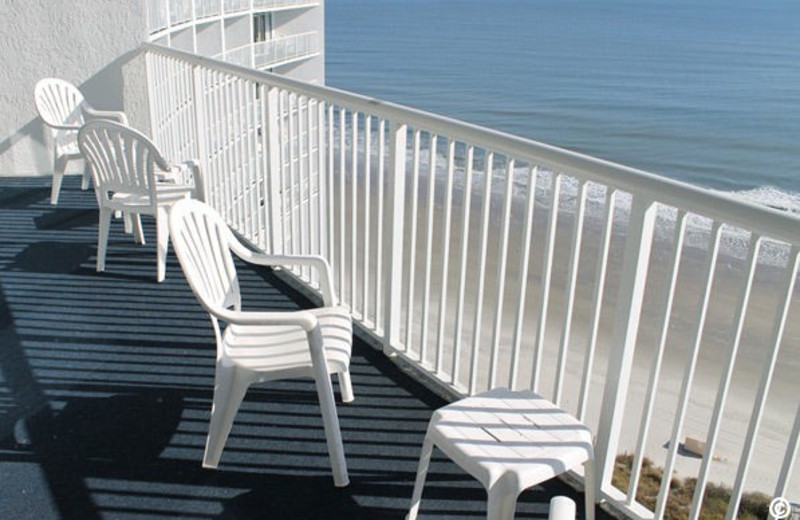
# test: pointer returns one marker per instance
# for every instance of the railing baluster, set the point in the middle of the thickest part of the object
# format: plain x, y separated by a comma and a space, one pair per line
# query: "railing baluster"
688, 378
380, 217
546, 281
342, 206
324, 186
426, 292
572, 282
524, 262
395, 212
502, 261
200, 124
353, 213
238, 156
294, 187
228, 172
313, 230
253, 164
766, 379
331, 241
623, 342
466, 202
367, 213
273, 161
412, 267
445, 240
484, 241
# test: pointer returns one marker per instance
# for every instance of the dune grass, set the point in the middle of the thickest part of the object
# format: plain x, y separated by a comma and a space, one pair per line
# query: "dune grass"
754, 506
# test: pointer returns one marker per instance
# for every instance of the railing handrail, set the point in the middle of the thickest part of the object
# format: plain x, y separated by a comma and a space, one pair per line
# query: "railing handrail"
281, 39
760, 219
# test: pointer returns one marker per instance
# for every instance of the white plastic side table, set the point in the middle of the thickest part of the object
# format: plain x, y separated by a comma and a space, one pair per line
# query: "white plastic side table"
509, 441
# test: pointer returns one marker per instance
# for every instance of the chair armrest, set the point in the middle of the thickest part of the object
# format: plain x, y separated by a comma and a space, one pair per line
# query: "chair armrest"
64, 127
177, 174
317, 262
113, 115
303, 319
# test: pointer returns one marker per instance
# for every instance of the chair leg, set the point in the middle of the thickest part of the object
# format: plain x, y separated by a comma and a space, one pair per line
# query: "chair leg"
136, 224
102, 238
162, 242
59, 166
588, 486
87, 176
229, 391
422, 471
346, 386
330, 420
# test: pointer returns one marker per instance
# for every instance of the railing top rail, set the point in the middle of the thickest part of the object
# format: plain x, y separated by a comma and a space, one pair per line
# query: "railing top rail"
759, 219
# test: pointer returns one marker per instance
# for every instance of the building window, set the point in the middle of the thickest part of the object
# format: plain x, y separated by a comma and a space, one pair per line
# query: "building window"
262, 27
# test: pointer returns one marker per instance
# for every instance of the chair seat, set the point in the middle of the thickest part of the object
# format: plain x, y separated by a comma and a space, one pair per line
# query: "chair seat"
168, 193
511, 432
286, 347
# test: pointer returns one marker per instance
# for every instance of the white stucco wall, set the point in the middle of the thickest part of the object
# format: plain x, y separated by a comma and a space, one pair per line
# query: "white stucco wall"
92, 43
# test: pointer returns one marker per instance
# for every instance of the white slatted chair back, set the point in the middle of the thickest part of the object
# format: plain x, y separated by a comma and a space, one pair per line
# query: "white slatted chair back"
60, 105
201, 240
123, 161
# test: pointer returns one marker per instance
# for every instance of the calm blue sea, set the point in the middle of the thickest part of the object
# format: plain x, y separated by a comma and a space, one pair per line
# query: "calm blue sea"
705, 91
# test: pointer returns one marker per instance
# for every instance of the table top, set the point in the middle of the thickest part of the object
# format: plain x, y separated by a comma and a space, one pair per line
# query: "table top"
502, 431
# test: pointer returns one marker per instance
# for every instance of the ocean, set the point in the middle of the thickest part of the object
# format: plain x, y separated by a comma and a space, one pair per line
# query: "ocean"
706, 92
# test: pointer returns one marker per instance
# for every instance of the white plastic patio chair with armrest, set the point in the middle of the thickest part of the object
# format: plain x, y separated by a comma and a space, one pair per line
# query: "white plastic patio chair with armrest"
64, 110
257, 347
126, 167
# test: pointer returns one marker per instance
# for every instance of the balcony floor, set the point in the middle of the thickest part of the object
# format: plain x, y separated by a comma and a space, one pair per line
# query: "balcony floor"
106, 383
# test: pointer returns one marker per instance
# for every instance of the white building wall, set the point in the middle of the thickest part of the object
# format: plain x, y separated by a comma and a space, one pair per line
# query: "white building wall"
92, 43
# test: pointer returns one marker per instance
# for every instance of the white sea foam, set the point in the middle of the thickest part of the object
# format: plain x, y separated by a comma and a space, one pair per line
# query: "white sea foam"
733, 242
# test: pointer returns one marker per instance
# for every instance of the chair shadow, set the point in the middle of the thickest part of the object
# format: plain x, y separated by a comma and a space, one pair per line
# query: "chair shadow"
300, 498
66, 219
123, 428
51, 257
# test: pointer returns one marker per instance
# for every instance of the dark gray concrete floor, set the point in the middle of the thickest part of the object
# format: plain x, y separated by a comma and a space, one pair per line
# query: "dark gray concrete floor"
106, 383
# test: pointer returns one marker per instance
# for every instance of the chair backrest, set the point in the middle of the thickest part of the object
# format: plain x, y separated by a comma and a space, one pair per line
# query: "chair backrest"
201, 241
122, 159
59, 102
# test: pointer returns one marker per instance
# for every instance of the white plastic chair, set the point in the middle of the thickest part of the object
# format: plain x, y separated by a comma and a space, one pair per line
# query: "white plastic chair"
509, 441
62, 108
131, 176
257, 347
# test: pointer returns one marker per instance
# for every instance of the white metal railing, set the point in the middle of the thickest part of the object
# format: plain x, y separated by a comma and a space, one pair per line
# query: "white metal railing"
286, 49
485, 259
157, 15
233, 6
280, 4
180, 11
207, 8
164, 13
239, 56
